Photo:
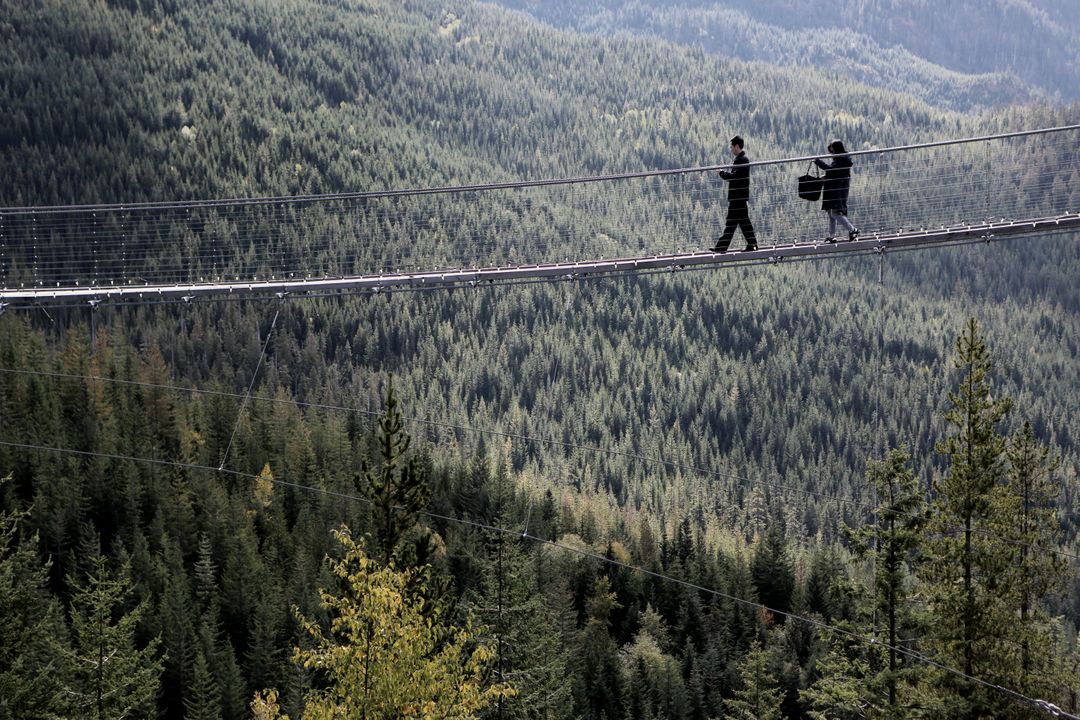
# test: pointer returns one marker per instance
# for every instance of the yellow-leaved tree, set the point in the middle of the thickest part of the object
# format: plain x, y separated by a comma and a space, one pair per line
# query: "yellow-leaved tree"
387, 653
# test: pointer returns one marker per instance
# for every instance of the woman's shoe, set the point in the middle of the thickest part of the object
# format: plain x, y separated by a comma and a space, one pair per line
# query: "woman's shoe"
852, 236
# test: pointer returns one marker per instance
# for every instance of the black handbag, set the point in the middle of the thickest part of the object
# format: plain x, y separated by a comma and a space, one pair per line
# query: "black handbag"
810, 186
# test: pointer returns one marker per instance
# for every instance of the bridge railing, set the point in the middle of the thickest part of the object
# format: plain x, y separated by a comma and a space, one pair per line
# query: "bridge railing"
1012, 176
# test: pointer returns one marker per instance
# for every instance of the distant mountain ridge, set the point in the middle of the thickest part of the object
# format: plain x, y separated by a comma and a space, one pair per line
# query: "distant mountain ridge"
958, 56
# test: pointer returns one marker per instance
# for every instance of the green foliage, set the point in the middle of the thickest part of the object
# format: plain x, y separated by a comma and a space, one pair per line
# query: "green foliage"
846, 687
30, 626
892, 544
1029, 525
733, 404
522, 628
774, 577
204, 699
398, 490
965, 565
758, 698
105, 674
384, 655
987, 53
599, 686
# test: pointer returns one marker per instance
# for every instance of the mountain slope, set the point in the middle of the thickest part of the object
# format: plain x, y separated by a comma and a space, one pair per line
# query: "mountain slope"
960, 56
746, 370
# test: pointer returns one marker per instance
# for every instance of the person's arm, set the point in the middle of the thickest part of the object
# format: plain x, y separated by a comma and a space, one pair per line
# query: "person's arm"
742, 168
821, 164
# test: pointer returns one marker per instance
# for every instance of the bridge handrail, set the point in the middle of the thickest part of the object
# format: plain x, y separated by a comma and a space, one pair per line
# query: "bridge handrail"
482, 187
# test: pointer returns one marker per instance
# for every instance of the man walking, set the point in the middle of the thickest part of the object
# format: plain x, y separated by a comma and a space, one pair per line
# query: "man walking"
738, 213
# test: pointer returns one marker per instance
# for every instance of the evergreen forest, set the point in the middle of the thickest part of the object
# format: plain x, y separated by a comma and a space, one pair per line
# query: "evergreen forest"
845, 488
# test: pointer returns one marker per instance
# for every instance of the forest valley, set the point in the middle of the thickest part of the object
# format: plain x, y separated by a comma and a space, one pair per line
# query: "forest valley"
797, 492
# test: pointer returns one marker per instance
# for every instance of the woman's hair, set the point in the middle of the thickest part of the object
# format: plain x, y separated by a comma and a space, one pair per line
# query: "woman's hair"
836, 147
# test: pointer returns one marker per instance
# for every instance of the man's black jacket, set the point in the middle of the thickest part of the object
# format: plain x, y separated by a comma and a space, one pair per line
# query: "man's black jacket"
738, 179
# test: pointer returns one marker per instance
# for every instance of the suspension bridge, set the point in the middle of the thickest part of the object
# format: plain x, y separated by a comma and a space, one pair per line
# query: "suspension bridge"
935, 194
1008, 186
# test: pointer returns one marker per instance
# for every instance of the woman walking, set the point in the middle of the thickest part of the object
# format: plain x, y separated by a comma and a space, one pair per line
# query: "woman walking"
834, 191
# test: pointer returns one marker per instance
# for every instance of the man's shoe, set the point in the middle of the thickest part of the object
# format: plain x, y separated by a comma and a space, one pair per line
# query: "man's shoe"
750, 248
718, 249
853, 235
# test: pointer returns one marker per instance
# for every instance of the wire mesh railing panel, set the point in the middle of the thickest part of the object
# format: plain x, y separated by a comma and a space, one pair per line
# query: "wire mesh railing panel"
1019, 176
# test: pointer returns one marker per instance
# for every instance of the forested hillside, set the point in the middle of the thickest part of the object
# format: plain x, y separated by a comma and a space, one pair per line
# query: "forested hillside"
964, 55
721, 428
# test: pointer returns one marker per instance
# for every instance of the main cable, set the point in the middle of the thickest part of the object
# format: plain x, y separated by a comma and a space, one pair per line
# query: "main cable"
514, 185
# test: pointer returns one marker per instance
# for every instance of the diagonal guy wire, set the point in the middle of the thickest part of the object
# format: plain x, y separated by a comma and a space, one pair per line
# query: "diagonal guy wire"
247, 395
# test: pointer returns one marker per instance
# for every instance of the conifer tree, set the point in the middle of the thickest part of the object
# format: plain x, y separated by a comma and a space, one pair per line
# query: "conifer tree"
598, 681
965, 569
385, 655
523, 627
759, 698
30, 626
203, 701
178, 640
1031, 528
105, 675
524, 634
654, 680
892, 544
398, 489
774, 576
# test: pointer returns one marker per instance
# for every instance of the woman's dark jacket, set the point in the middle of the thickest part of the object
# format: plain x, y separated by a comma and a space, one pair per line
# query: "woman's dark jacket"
834, 191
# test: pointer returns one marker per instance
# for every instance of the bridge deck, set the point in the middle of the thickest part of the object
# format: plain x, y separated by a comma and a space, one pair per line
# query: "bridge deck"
472, 276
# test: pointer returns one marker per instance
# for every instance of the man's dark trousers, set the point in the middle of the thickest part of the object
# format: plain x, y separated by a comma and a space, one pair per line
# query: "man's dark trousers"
738, 216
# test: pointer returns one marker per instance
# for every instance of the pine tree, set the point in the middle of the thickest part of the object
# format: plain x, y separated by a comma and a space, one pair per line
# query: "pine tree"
598, 681
106, 675
965, 569
655, 680
524, 633
384, 655
30, 626
774, 576
1037, 570
759, 698
892, 544
846, 687
398, 489
203, 701
178, 639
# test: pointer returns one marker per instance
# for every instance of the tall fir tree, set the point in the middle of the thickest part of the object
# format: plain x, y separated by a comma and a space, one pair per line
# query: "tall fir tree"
523, 631
599, 688
31, 626
1036, 573
178, 637
759, 697
398, 489
106, 676
203, 700
773, 573
385, 655
892, 544
966, 565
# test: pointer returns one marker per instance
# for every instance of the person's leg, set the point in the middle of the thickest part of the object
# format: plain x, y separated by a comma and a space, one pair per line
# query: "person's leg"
853, 232
843, 220
832, 225
748, 230
730, 224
